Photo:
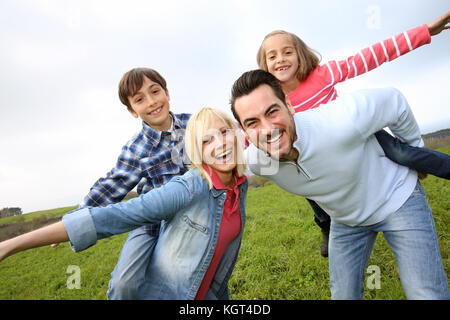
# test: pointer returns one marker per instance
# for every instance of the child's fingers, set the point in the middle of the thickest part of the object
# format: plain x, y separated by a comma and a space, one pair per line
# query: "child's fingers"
422, 175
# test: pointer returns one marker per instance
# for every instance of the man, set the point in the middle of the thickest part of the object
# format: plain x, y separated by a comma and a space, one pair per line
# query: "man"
330, 155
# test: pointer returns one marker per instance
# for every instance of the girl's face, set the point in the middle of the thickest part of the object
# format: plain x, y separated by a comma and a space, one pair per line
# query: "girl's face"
281, 57
219, 147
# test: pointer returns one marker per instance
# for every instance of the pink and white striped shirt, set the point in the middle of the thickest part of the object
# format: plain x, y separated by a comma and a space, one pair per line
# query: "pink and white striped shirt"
318, 87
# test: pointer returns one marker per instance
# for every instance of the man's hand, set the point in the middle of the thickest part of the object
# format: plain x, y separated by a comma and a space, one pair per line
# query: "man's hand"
54, 245
437, 25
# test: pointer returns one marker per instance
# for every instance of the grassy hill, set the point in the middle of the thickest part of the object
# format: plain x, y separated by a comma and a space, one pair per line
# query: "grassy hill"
437, 139
279, 258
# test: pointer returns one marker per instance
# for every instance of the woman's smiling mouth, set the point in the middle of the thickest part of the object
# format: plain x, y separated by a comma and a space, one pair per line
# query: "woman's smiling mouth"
224, 155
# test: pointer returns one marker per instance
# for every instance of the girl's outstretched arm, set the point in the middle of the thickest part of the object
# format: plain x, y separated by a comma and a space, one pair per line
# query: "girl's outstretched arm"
41, 237
438, 25
384, 51
318, 87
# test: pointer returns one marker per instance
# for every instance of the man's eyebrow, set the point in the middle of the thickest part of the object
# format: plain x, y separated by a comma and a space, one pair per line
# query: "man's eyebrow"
249, 120
275, 105
269, 108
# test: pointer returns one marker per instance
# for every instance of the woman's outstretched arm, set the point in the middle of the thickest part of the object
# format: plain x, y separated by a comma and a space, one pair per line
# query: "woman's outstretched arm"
89, 225
41, 237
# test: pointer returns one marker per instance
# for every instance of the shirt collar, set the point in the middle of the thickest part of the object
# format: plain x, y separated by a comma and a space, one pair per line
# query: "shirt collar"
176, 122
155, 135
218, 184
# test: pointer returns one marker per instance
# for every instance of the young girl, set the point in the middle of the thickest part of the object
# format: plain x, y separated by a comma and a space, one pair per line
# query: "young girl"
308, 85
202, 216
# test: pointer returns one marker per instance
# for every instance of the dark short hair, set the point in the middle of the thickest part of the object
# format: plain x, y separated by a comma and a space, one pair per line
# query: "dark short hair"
132, 81
251, 80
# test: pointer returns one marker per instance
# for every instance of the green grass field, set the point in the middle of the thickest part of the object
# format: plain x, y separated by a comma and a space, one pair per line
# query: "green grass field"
279, 257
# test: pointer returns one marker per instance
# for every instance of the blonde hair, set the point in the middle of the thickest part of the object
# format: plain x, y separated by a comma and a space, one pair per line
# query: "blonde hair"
196, 128
308, 59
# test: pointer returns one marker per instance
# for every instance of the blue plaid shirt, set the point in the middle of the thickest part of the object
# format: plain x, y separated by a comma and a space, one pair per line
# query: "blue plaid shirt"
149, 160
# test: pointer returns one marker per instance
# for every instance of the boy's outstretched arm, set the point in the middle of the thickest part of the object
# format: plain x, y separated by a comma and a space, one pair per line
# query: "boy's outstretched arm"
41, 237
438, 25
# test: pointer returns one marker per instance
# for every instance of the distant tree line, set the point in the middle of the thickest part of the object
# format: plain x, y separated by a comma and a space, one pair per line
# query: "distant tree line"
9, 212
437, 139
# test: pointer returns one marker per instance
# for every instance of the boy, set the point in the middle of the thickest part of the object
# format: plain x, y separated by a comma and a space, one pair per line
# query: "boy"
150, 159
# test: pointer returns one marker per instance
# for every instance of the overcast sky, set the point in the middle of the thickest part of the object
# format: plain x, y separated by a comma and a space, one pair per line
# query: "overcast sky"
62, 125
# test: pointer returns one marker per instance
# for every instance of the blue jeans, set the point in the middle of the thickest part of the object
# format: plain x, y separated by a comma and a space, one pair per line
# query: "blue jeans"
128, 278
420, 159
321, 218
411, 234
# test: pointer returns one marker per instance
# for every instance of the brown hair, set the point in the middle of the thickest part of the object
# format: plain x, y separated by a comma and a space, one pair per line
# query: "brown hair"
251, 80
308, 59
132, 81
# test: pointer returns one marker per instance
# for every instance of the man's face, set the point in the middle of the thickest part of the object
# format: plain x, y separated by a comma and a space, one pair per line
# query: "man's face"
268, 121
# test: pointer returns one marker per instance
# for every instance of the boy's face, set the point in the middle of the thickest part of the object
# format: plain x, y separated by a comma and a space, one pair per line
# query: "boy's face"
151, 104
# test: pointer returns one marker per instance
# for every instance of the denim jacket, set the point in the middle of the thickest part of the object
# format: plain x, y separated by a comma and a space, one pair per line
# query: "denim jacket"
191, 215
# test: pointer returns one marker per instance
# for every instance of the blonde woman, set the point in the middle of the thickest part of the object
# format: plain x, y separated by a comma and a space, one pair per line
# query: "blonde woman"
202, 216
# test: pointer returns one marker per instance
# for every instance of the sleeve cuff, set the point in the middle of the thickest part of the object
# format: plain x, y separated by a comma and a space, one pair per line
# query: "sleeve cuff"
80, 229
427, 33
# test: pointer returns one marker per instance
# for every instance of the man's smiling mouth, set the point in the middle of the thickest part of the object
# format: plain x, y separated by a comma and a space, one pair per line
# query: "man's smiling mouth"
275, 139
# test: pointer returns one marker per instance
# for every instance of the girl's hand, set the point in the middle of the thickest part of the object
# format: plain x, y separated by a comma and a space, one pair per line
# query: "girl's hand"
422, 175
437, 25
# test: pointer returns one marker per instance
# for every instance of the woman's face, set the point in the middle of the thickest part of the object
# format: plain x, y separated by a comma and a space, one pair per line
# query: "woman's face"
219, 147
